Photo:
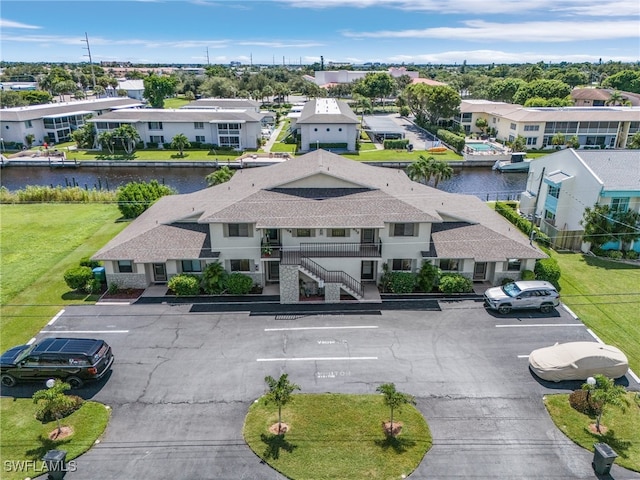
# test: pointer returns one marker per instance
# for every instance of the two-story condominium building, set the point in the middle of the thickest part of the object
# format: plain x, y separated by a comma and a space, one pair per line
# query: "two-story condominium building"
561, 185
54, 122
327, 123
595, 127
237, 129
317, 223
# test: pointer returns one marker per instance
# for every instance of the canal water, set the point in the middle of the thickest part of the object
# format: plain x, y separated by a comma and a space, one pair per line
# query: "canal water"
483, 182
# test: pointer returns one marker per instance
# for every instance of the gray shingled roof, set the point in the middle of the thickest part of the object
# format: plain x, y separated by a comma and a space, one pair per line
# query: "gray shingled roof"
257, 194
223, 103
309, 114
178, 115
19, 114
617, 169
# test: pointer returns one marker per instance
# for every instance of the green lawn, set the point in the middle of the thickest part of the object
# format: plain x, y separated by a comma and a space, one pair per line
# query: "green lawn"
155, 156
175, 102
606, 297
337, 436
623, 427
25, 438
39, 242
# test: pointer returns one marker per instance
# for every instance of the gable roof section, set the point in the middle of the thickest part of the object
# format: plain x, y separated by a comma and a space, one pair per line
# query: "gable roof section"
179, 115
19, 114
238, 103
327, 110
616, 169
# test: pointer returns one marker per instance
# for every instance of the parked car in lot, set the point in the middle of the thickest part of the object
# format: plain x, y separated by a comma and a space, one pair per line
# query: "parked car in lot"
536, 294
578, 361
73, 360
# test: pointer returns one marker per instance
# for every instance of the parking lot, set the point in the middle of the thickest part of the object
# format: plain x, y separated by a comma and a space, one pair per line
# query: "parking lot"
182, 382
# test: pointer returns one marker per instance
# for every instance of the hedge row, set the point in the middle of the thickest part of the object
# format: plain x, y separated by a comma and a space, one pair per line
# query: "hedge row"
456, 141
508, 211
399, 144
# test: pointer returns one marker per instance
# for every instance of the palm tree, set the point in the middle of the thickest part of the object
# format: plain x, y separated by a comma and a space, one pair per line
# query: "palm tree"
128, 135
280, 393
441, 171
421, 169
105, 139
53, 400
605, 392
616, 98
180, 142
221, 175
394, 400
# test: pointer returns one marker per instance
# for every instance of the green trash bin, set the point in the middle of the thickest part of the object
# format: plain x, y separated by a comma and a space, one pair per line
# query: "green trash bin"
56, 465
98, 274
603, 458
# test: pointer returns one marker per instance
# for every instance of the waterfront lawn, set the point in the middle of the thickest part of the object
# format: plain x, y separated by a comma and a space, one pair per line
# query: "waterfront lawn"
623, 427
337, 436
39, 242
26, 439
155, 156
605, 295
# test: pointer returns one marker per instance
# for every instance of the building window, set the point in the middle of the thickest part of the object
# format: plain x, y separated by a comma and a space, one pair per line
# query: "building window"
401, 265
553, 191
619, 205
466, 117
238, 229
303, 232
512, 126
337, 232
550, 217
403, 230
449, 264
155, 125
125, 266
191, 266
531, 128
156, 138
198, 125
28, 124
230, 141
200, 138
514, 264
532, 140
243, 265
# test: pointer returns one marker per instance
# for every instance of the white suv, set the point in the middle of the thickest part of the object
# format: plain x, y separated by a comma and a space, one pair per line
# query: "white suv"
524, 294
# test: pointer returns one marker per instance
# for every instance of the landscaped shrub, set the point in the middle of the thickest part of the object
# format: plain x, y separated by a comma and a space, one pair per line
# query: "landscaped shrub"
402, 282
507, 210
527, 275
506, 280
92, 286
184, 285
405, 111
49, 411
427, 277
399, 144
455, 283
549, 270
78, 277
238, 284
213, 278
456, 141
87, 262
579, 400
615, 254
631, 255
113, 288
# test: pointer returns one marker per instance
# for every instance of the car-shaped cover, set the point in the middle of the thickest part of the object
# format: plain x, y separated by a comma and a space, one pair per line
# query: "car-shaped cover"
578, 361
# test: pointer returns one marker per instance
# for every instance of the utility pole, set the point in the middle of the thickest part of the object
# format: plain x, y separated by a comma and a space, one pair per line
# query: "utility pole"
93, 75
208, 56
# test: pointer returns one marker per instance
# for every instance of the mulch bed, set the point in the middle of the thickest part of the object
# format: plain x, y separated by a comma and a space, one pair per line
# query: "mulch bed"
126, 294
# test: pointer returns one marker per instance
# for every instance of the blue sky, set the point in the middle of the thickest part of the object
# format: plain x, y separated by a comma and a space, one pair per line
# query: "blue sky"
300, 31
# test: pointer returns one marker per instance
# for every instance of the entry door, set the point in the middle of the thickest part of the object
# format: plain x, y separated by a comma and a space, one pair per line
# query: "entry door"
273, 269
159, 272
368, 235
479, 271
368, 270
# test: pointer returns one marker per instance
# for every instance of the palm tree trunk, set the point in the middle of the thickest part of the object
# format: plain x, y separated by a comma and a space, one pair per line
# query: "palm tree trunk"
279, 419
391, 427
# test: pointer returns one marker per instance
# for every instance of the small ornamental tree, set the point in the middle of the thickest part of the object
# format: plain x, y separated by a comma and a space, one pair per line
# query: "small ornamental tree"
180, 142
394, 400
135, 197
213, 278
427, 277
605, 392
280, 393
78, 277
53, 402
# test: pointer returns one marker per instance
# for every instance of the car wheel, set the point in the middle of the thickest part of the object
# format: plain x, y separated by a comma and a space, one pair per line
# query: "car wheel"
75, 382
7, 380
504, 309
546, 308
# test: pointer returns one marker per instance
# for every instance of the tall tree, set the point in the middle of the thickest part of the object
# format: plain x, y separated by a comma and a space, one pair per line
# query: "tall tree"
503, 90
394, 400
180, 142
128, 136
604, 393
625, 80
431, 103
157, 88
543, 89
135, 197
280, 393
598, 229
441, 171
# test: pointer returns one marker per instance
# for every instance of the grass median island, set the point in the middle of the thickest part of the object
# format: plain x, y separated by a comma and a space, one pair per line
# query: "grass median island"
337, 436
623, 427
26, 439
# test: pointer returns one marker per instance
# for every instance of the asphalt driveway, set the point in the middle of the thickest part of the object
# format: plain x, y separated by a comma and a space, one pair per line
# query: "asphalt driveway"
183, 380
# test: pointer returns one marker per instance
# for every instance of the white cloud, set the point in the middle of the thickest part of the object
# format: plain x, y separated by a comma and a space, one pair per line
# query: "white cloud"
4, 23
280, 44
548, 32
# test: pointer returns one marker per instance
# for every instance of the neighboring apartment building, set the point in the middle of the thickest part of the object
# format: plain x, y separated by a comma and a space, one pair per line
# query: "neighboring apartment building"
595, 127
561, 185
53, 123
327, 78
134, 89
600, 97
237, 129
318, 223
327, 123
267, 118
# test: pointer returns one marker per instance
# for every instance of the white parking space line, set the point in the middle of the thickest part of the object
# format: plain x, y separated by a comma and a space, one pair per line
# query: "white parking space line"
542, 325
85, 331
569, 311
31, 341
52, 321
345, 327
592, 333
313, 359
523, 356
635, 377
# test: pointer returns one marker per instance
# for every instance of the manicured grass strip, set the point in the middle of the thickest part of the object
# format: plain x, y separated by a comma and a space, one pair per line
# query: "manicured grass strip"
175, 102
337, 436
155, 156
623, 427
39, 242
606, 297
25, 438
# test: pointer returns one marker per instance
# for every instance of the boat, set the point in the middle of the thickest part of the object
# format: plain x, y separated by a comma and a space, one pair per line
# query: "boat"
517, 163
437, 149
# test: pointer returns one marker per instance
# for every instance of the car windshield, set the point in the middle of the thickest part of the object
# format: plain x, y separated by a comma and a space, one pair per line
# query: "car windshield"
511, 289
25, 353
